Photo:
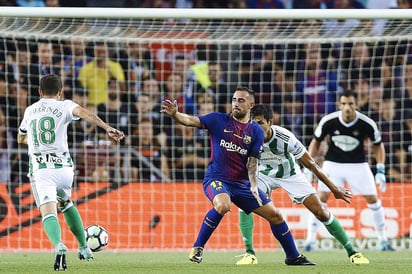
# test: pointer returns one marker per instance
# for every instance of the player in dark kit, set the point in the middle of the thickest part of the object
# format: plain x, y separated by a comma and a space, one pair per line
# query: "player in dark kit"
345, 161
233, 170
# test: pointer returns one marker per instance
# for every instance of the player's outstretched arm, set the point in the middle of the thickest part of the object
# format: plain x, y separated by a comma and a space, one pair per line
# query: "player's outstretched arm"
338, 192
170, 108
88, 116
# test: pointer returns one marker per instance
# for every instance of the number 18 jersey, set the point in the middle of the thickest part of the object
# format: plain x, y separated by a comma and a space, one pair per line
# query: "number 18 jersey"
45, 124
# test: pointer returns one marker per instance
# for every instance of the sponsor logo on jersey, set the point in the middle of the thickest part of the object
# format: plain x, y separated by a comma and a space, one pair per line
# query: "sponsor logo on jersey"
232, 147
345, 143
48, 158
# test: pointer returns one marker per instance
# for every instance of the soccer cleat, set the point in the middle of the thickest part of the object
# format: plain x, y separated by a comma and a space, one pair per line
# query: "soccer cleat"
358, 258
60, 257
247, 258
196, 254
386, 246
300, 260
85, 253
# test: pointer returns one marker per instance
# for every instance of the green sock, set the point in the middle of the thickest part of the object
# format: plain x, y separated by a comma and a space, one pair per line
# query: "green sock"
52, 228
337, 231
246, 228
74, 221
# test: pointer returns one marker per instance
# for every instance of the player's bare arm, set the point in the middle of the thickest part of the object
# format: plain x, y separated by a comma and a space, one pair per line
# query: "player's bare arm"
338, 192
22, 139
170, 108
88, 116
380, 154
252, 168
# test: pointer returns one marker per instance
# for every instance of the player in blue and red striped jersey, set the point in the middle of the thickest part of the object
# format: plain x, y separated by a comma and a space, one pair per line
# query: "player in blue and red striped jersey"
232, 172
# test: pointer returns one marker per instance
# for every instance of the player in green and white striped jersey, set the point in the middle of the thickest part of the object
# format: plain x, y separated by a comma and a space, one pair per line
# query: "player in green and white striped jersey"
279, 168
44, 130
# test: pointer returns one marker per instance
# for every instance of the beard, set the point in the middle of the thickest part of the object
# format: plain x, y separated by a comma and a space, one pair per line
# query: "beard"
238, 114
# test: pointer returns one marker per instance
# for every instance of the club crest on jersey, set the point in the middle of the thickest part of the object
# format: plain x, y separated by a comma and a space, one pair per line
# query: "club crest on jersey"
247, 139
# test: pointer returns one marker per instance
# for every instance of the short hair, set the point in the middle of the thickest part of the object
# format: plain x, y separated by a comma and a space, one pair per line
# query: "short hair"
50, 84
262, 110
248, 90
348, 93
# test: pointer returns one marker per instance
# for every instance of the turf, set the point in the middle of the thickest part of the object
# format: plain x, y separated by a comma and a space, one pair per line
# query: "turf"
214, 262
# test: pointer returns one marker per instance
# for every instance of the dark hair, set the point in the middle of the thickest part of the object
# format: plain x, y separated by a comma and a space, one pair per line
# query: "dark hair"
348, 93
50, 84
262, 110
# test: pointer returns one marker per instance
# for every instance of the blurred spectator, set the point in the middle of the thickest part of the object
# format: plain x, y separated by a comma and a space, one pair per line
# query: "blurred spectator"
149, 154
137, 61
317, 83
4, 156
78, 131
372, 109
307, 4
361, 88
345, 4
95, 75
265, 4
255, 65
52, 3
187, 155
73, 3
406, 151
217, 87
142, 109
357, 62
76, 59
30, 3
151, 86
174, 91
114, 111
391, 128
294, 119
43, 63
378, 26
406, 92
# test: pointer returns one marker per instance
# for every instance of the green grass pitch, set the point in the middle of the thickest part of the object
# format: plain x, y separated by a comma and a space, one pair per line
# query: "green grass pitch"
213, 262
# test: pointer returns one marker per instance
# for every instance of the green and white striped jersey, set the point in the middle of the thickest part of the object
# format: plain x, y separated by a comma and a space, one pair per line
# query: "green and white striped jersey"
279, 156
45, 124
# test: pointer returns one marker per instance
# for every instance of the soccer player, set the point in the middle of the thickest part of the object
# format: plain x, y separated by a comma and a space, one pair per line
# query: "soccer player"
232, 172
345, 161
44, 130
278, 167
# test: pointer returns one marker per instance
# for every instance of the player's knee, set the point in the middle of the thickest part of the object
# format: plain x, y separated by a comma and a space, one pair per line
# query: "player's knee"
64, 205
222, 208
276, 217
321, 214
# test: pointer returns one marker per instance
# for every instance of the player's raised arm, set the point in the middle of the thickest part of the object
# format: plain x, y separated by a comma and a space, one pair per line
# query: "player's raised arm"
170, 108
88, 116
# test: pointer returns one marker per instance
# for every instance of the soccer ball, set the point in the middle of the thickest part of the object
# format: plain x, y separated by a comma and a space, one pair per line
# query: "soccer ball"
97, 237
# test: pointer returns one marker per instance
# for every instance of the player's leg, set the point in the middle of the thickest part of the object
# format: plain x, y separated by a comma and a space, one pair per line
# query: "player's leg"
362, 182
332, 224
246, 224
338, 178
217, 193
70, 212
282, 233
44, 190
378, 218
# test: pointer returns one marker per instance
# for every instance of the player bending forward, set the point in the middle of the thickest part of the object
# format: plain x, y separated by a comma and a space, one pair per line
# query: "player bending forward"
279, 168
44, 130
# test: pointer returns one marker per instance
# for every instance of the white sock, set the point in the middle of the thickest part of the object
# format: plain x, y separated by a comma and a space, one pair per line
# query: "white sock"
378, 218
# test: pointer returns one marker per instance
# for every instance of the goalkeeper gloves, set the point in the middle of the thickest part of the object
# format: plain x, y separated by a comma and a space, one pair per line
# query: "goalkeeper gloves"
380, 177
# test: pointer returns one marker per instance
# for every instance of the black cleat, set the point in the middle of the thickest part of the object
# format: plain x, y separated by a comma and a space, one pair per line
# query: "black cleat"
60, 257
300, 260
60, 262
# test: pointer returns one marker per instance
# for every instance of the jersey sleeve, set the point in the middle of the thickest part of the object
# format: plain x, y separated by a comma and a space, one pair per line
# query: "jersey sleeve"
23, 125
257, 140
70, 106
207, 121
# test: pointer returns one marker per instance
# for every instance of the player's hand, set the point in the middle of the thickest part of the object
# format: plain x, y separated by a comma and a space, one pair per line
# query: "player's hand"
308, 174
380, 178
169, 107
343, 194
255, 192
114, 134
